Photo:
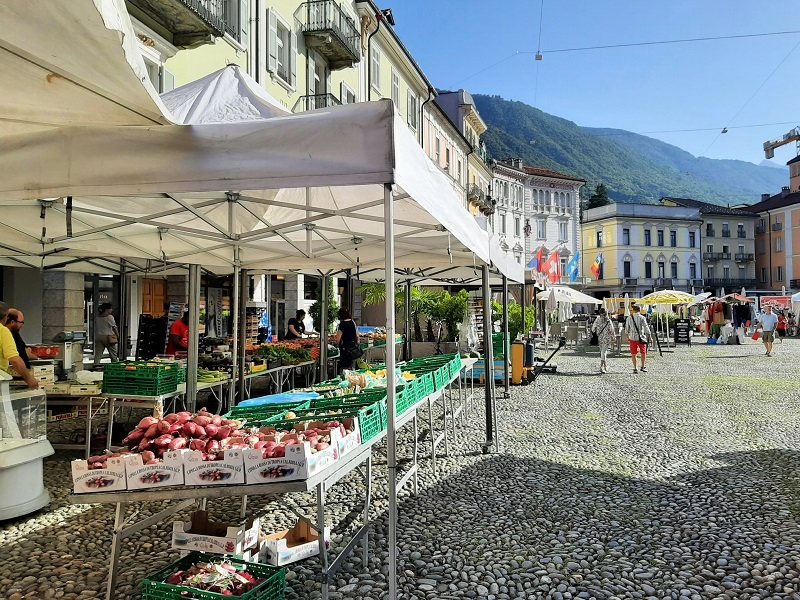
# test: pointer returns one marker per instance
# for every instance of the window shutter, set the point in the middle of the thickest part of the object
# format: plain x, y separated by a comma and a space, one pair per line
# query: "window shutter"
244, 21
167, 81
272, 41
293, 59
343, 93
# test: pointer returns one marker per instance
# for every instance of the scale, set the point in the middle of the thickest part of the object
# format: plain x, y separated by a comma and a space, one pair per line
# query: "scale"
69, 354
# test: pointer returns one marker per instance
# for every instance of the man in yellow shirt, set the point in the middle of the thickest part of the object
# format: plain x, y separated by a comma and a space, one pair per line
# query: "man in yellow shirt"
9, 357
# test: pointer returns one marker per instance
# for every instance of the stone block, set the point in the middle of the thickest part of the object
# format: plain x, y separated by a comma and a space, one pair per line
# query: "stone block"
61, 280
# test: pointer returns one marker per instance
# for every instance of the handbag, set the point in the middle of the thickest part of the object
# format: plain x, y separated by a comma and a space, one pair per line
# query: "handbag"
594, 340
351, 353
113, 339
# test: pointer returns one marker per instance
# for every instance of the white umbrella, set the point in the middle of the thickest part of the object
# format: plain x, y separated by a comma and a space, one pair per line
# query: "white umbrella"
722, 292
627, 306
701, 298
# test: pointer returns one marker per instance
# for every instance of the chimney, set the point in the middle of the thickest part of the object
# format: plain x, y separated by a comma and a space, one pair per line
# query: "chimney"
765, 197
784, 191
518, 163
387, 13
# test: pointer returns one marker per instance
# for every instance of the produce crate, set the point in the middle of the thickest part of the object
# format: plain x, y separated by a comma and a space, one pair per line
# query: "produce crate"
255, 416
441, 377
181, 375
140, 378
273, 588
372, 415
141, 387
423, 384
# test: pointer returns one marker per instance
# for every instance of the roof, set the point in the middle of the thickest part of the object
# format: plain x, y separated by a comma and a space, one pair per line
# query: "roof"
707, 208
548, 173
775, 202
794, 160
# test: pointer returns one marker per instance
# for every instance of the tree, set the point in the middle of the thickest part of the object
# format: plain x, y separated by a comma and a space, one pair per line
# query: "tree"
315, 310
422, 301
599, 198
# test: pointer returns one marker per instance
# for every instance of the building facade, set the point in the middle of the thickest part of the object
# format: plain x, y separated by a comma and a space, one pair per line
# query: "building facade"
728, 244
777, 240
508, 192
552, 215
643, 247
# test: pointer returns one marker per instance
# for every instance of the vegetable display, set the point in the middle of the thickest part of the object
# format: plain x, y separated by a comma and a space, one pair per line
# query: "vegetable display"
218, 577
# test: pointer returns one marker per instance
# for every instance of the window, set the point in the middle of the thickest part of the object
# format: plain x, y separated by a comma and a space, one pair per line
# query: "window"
740, 232
673, 238
648, 269
709, 230
662, 268
779, 245
517, 226
562, 232
660, 237
395, 90
673, 270
412, 110
599, 239
726, 249
541, 229
693, 270
437, 150
763, 274
281, 50
762, 223
692, 239
709, 248
235, 21
563, 268
726, 272
762, 246
447, 159
741, 248
626, 268
503, 223
626, 237
458, 170
710, 272
726, 230
375, 65
647, 238
778, 273
348, 95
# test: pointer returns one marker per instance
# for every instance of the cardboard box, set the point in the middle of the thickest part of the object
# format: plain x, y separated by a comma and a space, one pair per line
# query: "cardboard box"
291, 545
229, 470
110, 479
215, 538
298, 463
352, 440
59, 387
91, 389
139, 476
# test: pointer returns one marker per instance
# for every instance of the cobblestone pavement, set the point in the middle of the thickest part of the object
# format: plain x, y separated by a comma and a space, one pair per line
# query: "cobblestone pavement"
681, 482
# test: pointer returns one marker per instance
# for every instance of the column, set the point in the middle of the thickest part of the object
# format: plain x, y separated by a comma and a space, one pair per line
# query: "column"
62, 303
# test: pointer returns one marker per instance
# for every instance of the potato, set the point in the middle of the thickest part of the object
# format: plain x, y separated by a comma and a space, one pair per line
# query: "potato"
147, 422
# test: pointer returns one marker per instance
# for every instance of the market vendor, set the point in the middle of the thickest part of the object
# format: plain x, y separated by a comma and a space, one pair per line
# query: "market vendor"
14, 321
178, 340
9, 356
296, 328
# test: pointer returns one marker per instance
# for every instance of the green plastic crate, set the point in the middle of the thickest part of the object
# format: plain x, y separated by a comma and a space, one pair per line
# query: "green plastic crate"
272, 588
141, 370
255, 416
140, 387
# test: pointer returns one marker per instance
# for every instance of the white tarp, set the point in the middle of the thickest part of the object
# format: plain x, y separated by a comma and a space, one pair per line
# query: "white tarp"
560, 293
71, 62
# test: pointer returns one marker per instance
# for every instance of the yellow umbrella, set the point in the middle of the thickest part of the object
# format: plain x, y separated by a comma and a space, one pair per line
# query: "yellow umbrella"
667, 297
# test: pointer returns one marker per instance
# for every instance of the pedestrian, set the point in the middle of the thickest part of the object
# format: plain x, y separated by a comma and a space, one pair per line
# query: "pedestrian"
9, 356
782, 326
14, 321
106, 335
295, 328
178, 340
638, 332
767, 322
346, 339
603, 327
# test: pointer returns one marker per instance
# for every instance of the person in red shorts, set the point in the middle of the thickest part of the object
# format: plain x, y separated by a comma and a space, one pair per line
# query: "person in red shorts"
638, 332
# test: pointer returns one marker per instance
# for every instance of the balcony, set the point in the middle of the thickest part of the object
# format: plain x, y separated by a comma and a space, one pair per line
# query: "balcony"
329, 31
696, 282
710, 232
664, 282
712, 256
191, 23
733, 284
777, 226
741, 234
630, 281
761, 229
726, 233
744, 257
315, 101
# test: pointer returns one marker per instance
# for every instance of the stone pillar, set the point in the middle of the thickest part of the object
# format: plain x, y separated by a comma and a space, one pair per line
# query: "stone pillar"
294, 293
178, 288
62, 303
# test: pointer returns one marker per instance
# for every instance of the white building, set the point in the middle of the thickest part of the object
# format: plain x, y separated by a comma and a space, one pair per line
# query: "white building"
508, 191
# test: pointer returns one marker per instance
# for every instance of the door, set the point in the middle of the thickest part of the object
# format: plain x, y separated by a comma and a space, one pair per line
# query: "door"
278, 316
154, 295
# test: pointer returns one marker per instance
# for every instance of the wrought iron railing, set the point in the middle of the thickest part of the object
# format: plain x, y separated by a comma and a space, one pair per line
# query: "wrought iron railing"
328, 16
315, 101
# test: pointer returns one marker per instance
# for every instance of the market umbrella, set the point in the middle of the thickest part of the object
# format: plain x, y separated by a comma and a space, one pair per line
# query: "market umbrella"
667, 297
736, 298
699, 298
627, 310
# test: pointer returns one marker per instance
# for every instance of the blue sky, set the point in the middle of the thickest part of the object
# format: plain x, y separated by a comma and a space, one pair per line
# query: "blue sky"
641, 89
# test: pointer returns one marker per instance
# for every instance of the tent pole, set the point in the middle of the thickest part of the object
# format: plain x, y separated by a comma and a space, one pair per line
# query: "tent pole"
391, 450
323, 329
124, 310
244, 296
524, 288
506, 341
488, 361
407, 344
235, 308
194, 337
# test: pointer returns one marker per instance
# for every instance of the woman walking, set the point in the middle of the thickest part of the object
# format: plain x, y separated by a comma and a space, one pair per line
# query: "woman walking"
106, 335
603, 327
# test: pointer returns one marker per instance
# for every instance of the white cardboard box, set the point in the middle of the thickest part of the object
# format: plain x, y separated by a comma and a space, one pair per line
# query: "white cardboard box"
290, 545
228, 471
351, 441
59, 387
237, 538
299, 462
169, 471
110, 479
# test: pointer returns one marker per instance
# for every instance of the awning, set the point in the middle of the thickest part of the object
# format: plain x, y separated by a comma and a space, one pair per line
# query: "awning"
560, 293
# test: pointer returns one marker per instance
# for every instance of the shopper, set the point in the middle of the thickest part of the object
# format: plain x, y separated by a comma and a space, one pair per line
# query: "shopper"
296, 328
9, 356
783, 324
767, 322
603, 326
14, 321
346, 339
106, 335
178, 340
638, 332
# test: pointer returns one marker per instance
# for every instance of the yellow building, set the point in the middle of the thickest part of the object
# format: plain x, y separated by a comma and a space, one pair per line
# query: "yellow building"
643, 248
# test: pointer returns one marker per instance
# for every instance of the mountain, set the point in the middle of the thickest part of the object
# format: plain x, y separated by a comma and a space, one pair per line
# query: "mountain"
772, 164
634, 168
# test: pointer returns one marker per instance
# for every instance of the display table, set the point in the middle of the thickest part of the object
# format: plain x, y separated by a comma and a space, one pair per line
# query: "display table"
280, 376
93, 406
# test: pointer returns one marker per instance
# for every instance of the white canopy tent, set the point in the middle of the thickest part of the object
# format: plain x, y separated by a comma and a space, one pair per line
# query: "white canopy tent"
562, 293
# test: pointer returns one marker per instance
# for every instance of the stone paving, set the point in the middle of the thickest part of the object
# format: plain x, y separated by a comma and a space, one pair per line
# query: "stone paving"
681, 482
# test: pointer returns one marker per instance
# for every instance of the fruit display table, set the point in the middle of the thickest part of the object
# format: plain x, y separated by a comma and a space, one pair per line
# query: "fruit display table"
281, 376
184, 497
93, 405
